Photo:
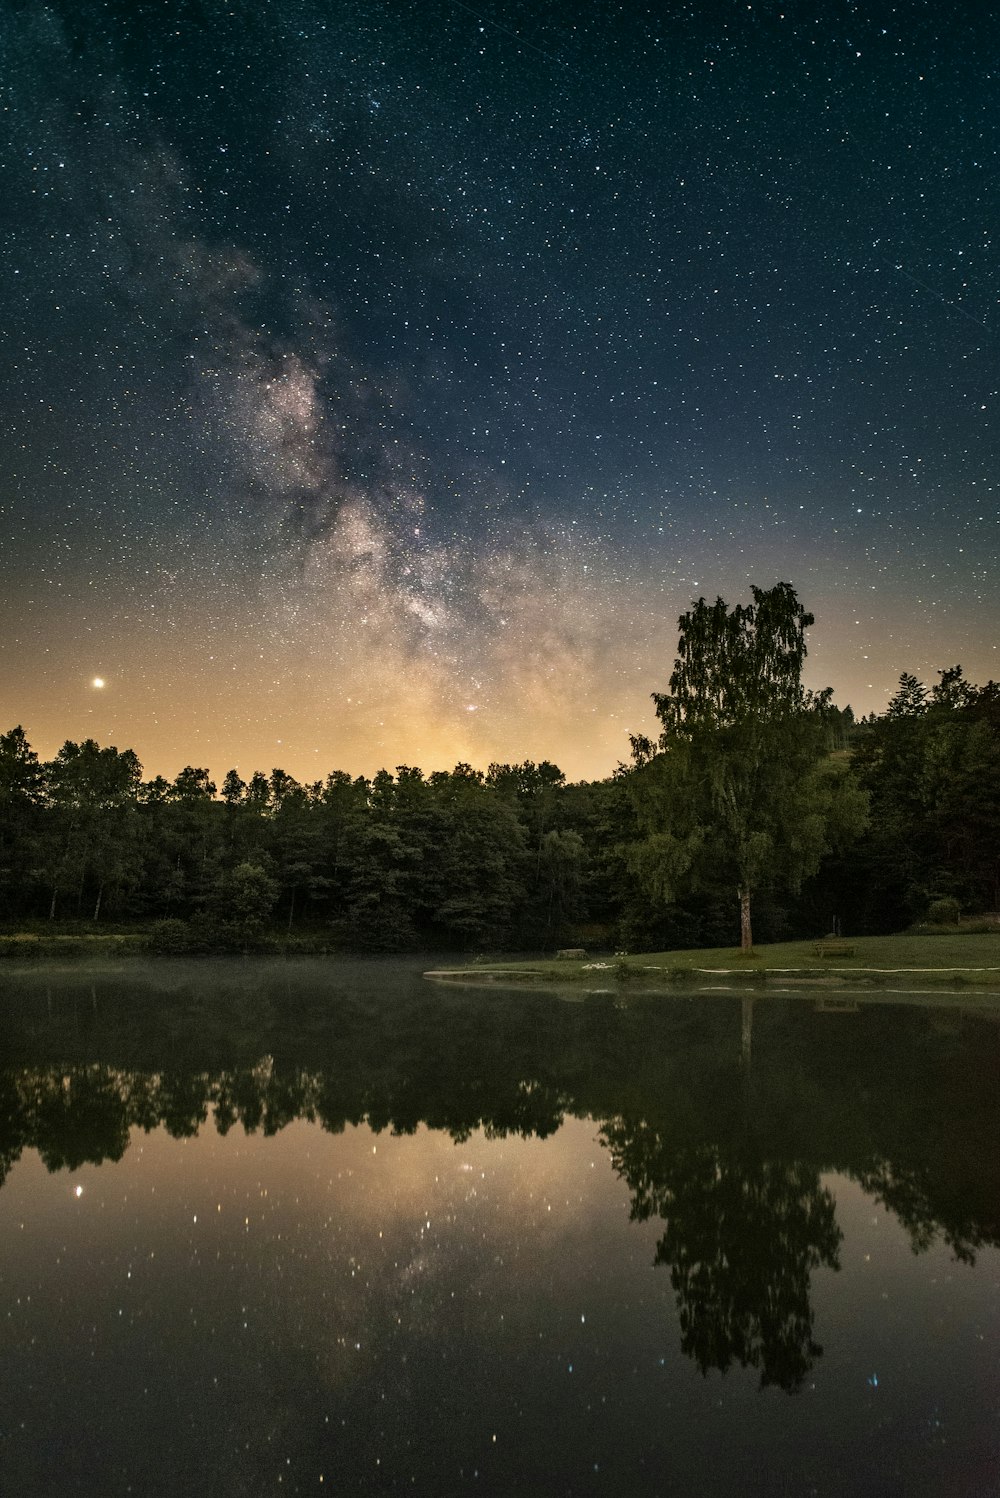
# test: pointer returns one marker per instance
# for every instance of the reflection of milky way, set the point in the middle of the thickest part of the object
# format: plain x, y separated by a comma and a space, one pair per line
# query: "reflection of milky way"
384, 391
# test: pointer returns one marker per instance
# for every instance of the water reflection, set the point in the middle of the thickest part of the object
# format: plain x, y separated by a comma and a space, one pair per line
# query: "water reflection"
742, 1237
721, 1116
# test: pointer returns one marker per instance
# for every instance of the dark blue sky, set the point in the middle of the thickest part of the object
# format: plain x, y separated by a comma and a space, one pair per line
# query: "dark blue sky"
385, 379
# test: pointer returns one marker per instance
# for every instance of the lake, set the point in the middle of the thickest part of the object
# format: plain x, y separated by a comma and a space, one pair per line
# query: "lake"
314, 1227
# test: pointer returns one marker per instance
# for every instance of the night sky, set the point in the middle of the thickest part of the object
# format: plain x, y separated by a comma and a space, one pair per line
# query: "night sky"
382, 380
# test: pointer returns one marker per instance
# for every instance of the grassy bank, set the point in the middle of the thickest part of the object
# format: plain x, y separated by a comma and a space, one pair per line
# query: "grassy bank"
965, 957
28, 946
969, 957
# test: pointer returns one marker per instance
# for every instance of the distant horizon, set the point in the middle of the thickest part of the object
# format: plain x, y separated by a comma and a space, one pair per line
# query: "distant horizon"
315, 768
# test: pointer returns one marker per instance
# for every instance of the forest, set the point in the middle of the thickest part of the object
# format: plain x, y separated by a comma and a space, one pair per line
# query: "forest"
513, 857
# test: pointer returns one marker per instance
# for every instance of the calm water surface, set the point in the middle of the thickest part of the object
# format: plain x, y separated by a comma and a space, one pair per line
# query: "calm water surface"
329, 1228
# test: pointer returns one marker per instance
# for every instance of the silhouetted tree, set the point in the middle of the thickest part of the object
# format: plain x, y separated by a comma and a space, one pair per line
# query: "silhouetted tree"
733, 785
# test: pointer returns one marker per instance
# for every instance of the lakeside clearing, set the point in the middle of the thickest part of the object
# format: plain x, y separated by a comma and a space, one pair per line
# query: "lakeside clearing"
953, 959
957, 958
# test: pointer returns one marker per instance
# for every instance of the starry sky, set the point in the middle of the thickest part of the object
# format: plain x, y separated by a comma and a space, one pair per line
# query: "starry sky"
382, 380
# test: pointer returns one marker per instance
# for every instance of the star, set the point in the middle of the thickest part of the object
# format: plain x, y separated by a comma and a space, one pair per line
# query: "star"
489, 371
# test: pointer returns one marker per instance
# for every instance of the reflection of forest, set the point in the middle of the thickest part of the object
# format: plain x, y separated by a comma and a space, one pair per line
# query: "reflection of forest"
728, 1153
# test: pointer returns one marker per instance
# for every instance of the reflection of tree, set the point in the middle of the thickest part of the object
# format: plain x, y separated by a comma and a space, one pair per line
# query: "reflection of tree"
929, 1110
742, 1238
183, 1098
11, 1125
950, 1188
80, 1118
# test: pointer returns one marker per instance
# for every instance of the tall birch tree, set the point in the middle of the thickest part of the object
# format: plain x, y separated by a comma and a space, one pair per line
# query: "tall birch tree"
739, 785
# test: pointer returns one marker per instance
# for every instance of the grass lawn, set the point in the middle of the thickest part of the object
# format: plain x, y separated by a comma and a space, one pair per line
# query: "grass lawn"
975, 955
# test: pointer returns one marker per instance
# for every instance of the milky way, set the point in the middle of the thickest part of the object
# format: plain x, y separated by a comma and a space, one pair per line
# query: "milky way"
384, 380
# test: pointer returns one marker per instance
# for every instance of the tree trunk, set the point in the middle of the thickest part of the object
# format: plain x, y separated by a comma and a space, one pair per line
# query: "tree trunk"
291, 911
746, 934
52, 907
97, 906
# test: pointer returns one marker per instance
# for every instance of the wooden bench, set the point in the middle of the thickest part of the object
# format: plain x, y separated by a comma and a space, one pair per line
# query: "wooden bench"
575, 954
832, 946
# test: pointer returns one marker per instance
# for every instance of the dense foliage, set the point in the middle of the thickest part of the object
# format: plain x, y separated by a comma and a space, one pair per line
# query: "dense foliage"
458, 858
739, 787
514, 856
931, 765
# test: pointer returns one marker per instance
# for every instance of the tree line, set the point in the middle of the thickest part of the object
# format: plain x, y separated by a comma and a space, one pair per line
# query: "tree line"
756, 791
460, 858
513, 856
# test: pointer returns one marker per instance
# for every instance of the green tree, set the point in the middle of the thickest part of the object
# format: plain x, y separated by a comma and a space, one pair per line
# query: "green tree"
378, 862
734, 788
480, 860
192, 825
560, 865
21, 795
92, 794
238, 907
931, 764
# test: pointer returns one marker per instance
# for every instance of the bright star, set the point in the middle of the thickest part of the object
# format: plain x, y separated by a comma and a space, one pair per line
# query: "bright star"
98, 681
